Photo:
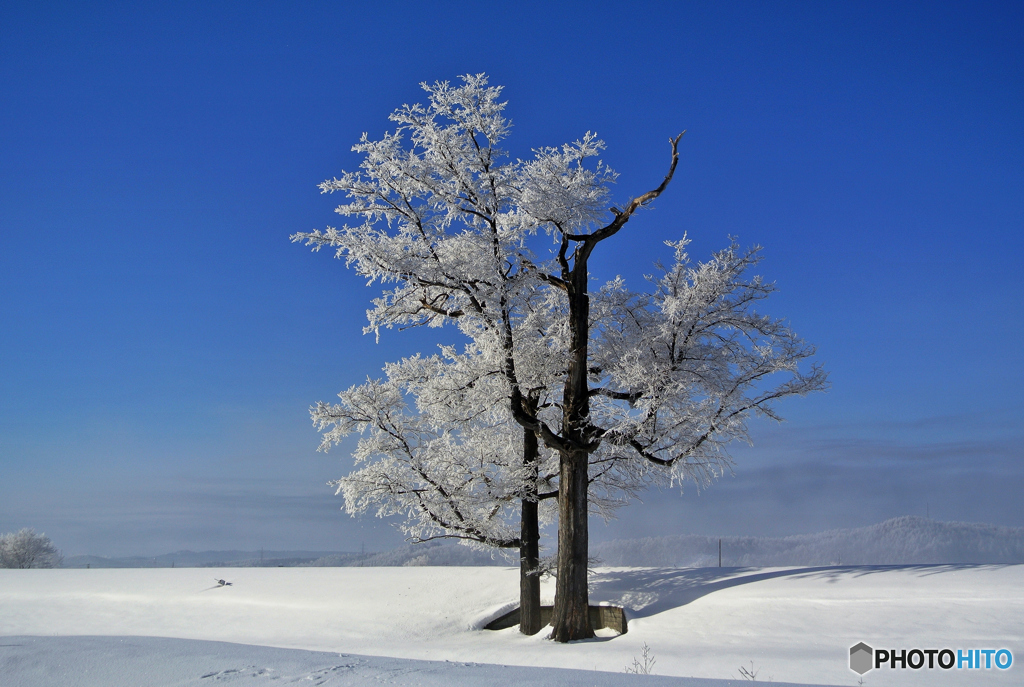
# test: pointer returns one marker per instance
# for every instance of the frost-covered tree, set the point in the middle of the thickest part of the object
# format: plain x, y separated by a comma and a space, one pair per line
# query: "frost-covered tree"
439, 448
26, 549
440, 220
447, 223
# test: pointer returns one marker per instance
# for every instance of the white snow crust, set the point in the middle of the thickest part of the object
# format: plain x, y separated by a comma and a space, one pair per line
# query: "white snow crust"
795, 624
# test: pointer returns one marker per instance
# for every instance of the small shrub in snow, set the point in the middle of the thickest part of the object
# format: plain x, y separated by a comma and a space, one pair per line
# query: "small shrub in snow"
643, 665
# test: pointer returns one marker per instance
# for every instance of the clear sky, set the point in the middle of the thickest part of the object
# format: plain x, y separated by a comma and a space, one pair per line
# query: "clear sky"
161, 340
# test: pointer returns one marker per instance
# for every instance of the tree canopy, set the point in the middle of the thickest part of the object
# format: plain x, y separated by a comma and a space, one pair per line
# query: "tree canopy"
617, 387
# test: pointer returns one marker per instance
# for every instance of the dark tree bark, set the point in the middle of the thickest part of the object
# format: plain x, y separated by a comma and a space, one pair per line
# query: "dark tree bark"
572, 600
571, 618
529, 543
529, 573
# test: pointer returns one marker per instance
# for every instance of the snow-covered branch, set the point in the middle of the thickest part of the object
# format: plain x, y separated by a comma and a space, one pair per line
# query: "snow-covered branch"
683, 367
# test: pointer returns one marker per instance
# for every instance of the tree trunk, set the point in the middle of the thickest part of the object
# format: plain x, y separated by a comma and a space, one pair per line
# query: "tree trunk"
572, 601
529, 538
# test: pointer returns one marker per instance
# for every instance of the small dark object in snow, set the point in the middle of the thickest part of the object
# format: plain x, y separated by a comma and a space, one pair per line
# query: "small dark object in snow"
222, 583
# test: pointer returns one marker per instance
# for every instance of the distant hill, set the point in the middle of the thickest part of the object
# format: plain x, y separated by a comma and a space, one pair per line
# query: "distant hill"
900, 541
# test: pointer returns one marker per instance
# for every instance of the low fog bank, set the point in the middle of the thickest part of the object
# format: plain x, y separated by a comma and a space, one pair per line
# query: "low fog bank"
907, 540
428, 553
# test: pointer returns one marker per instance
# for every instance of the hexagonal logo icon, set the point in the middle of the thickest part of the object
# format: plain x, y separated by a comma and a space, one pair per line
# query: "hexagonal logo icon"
861, 658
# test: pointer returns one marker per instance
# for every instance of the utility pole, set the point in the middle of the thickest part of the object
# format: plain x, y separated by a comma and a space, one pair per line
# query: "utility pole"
719, 552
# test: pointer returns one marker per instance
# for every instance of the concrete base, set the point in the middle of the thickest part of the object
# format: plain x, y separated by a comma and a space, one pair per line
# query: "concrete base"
611, 617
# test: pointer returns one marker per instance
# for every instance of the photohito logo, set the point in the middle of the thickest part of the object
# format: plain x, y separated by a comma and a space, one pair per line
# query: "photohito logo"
863, 658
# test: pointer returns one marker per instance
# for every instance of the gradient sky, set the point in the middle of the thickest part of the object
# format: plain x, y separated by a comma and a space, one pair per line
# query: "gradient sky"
161, 340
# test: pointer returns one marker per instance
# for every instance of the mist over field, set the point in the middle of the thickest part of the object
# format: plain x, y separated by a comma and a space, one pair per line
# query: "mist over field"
907, 540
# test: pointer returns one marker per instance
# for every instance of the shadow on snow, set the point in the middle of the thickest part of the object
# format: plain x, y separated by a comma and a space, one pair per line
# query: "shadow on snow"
649, 591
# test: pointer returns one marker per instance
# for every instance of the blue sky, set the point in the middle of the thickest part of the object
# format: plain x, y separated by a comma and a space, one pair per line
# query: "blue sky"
161, 340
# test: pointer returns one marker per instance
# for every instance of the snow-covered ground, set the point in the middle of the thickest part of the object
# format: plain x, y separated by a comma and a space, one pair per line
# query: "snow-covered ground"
791, 624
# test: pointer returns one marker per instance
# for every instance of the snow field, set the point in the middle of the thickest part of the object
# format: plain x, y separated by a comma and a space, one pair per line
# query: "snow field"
795, 624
